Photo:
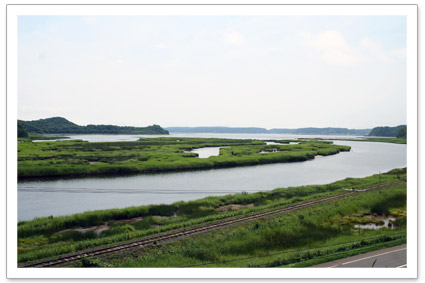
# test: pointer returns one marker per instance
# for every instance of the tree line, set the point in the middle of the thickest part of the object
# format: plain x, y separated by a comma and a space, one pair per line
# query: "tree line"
59, 125
399, 131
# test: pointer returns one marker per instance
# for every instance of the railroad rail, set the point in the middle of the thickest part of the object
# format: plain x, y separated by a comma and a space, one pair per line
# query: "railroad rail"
175, 235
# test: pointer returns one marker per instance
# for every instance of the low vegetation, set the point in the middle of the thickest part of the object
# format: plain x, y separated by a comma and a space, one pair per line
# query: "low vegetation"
310, 234
150, 155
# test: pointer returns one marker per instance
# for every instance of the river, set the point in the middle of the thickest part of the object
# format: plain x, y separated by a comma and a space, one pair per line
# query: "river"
68, 196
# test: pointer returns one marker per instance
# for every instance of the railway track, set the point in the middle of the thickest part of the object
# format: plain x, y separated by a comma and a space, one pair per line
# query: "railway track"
175, 235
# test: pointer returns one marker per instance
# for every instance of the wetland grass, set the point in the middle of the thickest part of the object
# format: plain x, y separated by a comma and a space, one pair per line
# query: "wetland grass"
78, 158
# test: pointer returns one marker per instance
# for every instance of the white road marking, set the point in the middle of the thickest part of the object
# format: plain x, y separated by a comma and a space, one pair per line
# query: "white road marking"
372, 256
402, 266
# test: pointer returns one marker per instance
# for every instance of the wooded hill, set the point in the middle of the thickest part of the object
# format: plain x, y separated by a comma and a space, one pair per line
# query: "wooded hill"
59, 125
399, 131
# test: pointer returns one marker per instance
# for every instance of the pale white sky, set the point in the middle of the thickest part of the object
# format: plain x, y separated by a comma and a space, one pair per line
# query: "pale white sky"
242, 71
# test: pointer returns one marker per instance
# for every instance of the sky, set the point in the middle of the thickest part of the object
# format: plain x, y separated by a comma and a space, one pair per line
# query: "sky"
236, 71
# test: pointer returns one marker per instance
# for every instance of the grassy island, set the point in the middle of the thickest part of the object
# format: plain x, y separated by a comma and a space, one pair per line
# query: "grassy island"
149, 155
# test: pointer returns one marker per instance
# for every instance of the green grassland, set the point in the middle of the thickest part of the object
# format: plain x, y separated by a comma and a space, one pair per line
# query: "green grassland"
312, 235
79, 158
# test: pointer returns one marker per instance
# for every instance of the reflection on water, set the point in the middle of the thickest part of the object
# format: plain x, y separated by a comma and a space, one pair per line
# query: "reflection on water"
67, 196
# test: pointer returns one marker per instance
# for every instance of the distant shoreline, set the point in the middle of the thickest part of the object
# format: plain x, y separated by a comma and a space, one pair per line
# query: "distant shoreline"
256, 130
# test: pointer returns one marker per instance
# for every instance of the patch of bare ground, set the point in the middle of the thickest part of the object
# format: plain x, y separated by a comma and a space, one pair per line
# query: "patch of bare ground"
228, 207
97, 229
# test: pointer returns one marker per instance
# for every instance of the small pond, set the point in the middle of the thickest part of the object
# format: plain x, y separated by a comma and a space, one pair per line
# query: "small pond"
373, 226
206, 152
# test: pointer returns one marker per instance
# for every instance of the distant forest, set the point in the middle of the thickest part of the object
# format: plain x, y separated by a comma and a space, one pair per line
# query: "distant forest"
59, 125
399, 131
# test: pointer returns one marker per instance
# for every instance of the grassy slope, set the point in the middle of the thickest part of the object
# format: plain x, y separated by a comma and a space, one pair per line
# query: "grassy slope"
78, 158
326, 224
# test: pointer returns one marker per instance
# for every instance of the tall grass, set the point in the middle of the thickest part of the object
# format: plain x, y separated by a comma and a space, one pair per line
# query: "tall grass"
316, 227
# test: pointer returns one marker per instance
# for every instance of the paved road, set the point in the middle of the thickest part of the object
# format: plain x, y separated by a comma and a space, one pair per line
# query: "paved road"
389, 257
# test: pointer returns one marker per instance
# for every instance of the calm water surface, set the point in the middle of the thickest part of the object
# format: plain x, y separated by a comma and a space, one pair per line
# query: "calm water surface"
67, 196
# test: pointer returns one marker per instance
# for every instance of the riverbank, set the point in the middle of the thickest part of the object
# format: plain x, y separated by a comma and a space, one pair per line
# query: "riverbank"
67, 196
326, 224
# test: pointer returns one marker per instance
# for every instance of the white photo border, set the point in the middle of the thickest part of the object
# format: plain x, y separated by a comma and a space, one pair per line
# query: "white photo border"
410, 11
